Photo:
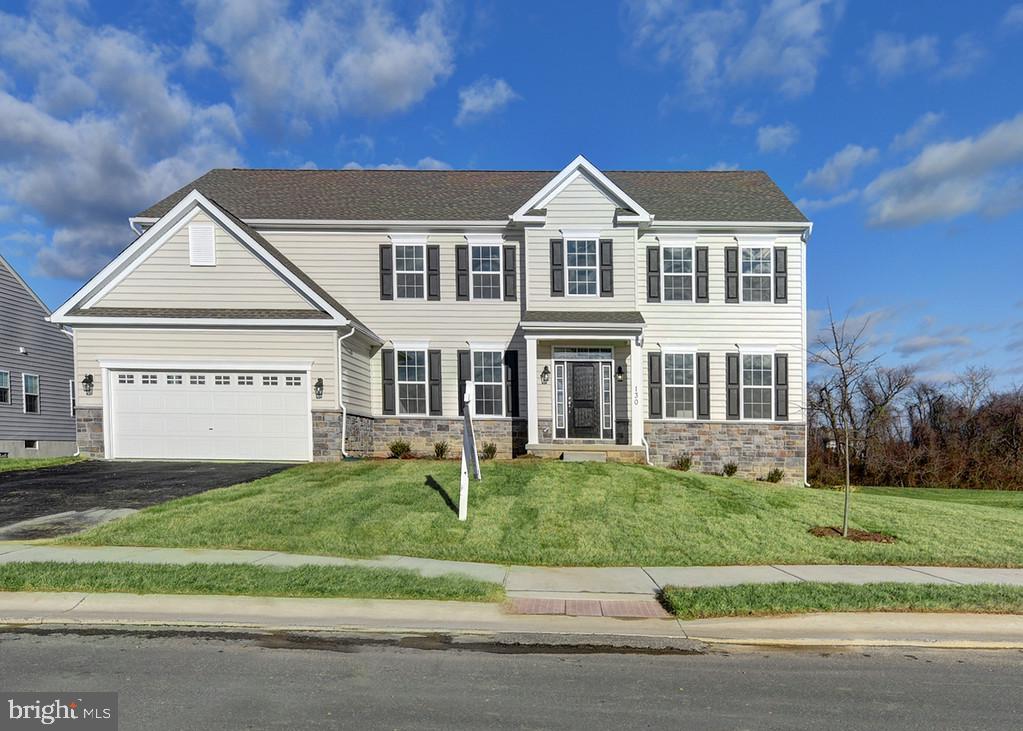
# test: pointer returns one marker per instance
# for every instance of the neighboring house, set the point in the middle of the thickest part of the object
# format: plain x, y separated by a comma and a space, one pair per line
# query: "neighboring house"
294, 314
36, 371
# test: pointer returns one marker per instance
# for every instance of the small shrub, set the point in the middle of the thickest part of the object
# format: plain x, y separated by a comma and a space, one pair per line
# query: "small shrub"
489, 450
775, 475
440, 450
682, 463
730, 469
400, 449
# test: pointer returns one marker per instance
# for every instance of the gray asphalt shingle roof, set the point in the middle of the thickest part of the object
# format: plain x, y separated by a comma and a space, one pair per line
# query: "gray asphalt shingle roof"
624, 317
474, 195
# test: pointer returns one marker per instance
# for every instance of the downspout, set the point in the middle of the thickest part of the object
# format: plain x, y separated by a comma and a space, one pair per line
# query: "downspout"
74, 362
340, 401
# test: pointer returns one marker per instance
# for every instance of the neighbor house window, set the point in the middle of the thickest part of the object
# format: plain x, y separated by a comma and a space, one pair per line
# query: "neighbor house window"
679, 386
410, 271
5, 387
31, 383
757, 380
411, 381
488, 375
31, 444
581, 266
756, 274
678, 273
486, 272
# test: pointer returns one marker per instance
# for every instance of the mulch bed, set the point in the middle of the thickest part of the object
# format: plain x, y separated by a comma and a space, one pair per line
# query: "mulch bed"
855, 534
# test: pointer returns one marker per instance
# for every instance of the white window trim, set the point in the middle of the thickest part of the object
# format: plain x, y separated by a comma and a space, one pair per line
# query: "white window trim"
204, 226
769, 275
25, 394
419, 243
425, 382
35, 448
676, 350
500, 271
742, 384
10, 391
472, 364
676, 244
596, 268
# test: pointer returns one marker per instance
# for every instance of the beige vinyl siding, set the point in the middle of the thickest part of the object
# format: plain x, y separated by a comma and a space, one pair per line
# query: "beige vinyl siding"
356, 357
716, 327
581, 205
239, 279
347, 265
95, 343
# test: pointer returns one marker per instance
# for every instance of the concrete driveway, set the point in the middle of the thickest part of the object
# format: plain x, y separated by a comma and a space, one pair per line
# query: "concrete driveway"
58, 500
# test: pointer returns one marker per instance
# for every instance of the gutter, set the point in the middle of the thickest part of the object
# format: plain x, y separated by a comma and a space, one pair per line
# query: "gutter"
340, 402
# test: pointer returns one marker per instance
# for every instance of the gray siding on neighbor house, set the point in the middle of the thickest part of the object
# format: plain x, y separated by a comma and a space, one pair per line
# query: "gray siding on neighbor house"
49, 354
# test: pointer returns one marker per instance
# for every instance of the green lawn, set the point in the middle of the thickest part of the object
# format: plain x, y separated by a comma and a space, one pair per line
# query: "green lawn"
545, 512
991, 498
232, 579
11, 464
752, 600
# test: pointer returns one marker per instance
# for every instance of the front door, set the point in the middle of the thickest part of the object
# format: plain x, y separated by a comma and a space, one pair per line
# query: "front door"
583, 406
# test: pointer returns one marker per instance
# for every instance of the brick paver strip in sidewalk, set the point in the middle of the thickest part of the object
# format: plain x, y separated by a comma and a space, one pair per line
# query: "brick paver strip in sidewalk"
583, 608
532, 605
633, 609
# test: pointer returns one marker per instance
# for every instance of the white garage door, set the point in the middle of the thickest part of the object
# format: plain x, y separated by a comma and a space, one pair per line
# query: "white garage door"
210, 415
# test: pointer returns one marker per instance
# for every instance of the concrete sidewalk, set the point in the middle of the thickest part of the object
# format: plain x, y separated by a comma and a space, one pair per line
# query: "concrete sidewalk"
487, 622
533, 581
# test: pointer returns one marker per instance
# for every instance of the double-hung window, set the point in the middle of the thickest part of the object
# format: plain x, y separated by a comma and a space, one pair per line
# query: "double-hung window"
411, 382
757, 382
679, 386
486, 272
410, 271
30, 381
581, 266
756, 274
488, 376
5, 387
678, 273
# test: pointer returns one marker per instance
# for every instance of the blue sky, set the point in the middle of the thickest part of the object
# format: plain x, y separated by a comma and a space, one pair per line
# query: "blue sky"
897, 127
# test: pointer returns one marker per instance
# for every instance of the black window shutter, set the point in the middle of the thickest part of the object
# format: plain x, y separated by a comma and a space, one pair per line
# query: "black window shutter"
654, 383
607, 270
653, 274
702, 275
557, 268
731, 274
386, 273
509, 272
436, 398
781, 275
464, 373
511, 383
781, 387
732, 385
433, 272
461, 272
703, 385
387, 359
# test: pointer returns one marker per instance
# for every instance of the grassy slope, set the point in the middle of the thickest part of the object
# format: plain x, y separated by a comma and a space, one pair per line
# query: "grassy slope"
991, 498
556, 513
12, 464
748, 600
307, 581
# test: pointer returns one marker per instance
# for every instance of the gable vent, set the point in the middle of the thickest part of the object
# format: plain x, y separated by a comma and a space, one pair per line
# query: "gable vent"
202, 251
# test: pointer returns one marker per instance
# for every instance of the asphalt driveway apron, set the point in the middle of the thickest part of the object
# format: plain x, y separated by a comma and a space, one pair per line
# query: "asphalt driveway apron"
69, 492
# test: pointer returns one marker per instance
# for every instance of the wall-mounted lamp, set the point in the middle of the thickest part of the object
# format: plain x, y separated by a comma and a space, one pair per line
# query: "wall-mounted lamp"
318, 388
620, 375
545, 375
87, 384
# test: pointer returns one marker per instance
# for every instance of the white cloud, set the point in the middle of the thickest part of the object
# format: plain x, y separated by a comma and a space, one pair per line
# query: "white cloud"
918, 132
839, 168
949, 179
808, 205
724, 45
1013, 17
777, 138
483, 97
923, 343
743, 117
329, 59
967, 55
892, 54
722, 165
425, 163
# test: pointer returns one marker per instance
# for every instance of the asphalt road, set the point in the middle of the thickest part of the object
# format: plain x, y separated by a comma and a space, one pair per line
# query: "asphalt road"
263, 682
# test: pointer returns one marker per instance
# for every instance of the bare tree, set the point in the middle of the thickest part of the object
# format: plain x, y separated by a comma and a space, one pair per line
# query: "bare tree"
842, 349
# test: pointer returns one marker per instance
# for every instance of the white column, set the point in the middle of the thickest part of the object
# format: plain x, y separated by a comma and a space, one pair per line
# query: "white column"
635, 385
531, 392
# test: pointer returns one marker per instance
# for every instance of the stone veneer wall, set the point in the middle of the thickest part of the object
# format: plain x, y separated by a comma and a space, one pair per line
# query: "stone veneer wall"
89, 428
755, 448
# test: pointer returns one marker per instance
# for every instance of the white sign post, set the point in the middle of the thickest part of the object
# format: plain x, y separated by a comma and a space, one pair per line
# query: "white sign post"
470, 457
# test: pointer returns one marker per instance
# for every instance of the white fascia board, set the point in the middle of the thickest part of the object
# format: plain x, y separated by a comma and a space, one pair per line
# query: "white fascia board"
484, 239
486, 345
781, 226
343, 223
410, 344
678, 348
567, 175
200, 321
578, 233
677, 239
631, 326
204, 365
410, 237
